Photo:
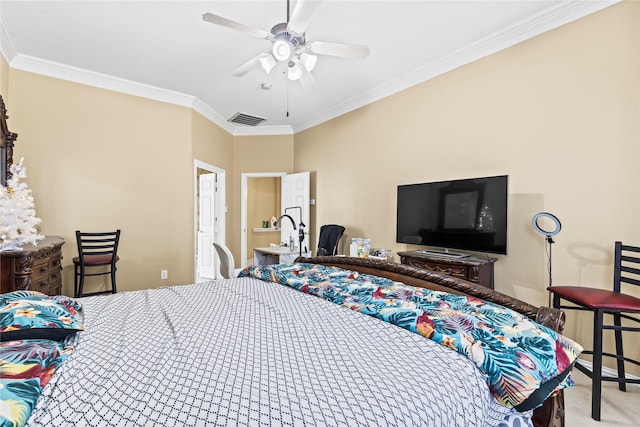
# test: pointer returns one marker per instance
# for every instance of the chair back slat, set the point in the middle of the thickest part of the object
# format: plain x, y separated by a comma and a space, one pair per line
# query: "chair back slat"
626, 266
103, 243
630, 248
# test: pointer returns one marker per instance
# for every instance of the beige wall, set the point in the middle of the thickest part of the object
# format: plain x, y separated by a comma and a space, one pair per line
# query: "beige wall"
101, 160
559, 113
257, 154
263, 203
214, 146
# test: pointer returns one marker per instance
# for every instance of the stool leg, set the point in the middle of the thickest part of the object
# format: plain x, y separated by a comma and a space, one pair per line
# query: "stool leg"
596, 380
617, 321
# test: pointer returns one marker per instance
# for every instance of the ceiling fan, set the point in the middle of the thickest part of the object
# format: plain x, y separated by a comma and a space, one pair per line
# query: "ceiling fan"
289, 44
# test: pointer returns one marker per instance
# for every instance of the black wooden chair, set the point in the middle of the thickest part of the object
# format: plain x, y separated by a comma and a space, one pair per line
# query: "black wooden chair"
98, 252
610, 302
328, 239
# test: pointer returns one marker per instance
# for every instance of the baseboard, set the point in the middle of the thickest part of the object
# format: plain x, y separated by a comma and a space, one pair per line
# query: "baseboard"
609, 371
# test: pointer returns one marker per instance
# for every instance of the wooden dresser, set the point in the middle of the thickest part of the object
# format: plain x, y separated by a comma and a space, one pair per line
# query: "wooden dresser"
35, 267
477, 270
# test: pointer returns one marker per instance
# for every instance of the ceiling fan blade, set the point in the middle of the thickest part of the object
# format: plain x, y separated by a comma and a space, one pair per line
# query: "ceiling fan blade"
306, 79
219, 20
301, 16
247, 66
338, 49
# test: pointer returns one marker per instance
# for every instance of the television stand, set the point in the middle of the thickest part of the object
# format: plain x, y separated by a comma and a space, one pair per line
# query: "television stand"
477, 270
442, 254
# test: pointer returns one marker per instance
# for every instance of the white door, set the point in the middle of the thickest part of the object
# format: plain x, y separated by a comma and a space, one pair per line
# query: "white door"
295, 202
206, 226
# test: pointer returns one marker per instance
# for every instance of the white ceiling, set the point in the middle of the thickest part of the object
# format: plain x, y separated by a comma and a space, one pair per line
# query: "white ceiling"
164, 50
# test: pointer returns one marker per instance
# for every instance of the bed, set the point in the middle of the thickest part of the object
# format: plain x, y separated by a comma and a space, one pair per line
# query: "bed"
256, 351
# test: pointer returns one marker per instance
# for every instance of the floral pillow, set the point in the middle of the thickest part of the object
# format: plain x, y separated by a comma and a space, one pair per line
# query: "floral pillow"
34, 315
26, 366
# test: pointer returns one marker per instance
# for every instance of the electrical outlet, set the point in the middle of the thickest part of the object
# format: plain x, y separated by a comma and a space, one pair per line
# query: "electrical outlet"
164, 274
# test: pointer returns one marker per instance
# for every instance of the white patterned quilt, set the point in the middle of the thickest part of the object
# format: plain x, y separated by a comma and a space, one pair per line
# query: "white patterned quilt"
244, 352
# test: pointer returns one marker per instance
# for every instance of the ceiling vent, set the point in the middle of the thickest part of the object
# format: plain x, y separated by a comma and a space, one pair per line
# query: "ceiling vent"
246, 119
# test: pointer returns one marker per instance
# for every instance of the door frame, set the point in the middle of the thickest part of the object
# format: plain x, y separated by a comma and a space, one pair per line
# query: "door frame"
243, 208
220, 209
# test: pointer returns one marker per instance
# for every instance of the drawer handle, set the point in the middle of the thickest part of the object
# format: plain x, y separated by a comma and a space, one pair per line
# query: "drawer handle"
44, 270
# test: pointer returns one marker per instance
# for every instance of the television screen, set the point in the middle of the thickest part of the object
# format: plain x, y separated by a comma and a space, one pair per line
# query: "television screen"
466, 214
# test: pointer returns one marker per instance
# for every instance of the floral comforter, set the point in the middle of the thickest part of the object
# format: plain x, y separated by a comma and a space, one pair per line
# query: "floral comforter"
524, 362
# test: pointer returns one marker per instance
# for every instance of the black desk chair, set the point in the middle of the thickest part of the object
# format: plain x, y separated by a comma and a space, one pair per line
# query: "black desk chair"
611, 302
328, 239
95, 250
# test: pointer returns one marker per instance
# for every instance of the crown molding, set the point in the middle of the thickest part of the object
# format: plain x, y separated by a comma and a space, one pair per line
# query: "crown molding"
212, 115
7, 49
553, 17
116, 84
549, 19
263, 130
103, 81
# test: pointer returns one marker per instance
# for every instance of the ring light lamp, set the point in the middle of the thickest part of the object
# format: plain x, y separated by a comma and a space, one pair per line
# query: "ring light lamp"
553, 218
548, 235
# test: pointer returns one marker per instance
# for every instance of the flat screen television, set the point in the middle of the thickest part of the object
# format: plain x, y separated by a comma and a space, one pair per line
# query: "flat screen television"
464, 214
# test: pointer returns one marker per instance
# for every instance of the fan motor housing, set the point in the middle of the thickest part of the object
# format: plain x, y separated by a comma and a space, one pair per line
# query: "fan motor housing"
280, 32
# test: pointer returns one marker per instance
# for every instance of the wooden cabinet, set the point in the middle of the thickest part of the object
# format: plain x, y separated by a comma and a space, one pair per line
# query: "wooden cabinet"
478, 270
34, 267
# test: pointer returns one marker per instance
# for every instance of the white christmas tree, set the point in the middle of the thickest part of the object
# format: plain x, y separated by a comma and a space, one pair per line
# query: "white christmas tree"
18, 222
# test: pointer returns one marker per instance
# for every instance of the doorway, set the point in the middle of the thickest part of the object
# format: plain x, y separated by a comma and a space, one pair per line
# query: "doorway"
244, 208
209, 218
294, 193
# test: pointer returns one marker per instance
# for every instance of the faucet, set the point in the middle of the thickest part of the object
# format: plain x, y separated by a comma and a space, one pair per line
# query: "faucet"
300, 228
285, 216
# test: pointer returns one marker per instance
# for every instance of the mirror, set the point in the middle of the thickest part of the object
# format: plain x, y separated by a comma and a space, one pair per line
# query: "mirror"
7, 139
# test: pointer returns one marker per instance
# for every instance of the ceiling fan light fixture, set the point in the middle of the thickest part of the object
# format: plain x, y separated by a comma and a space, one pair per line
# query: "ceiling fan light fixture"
294, 72
268, 62
282, 50
308, 60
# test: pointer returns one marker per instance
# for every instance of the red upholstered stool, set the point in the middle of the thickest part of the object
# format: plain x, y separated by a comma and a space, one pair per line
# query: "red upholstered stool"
95, 250
601, 302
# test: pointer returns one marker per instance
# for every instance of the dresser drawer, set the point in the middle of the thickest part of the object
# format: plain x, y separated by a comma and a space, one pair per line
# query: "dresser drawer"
43, 286
477, 270
449, 270
35, 267
40, 270
455, 271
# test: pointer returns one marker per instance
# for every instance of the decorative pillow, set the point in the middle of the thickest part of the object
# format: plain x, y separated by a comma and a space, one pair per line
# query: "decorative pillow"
26, 366
34, 315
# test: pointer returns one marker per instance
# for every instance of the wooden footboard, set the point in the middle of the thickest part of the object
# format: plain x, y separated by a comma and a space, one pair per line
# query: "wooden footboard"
551, 414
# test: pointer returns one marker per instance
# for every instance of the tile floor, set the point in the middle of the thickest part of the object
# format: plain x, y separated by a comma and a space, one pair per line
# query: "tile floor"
619, 408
